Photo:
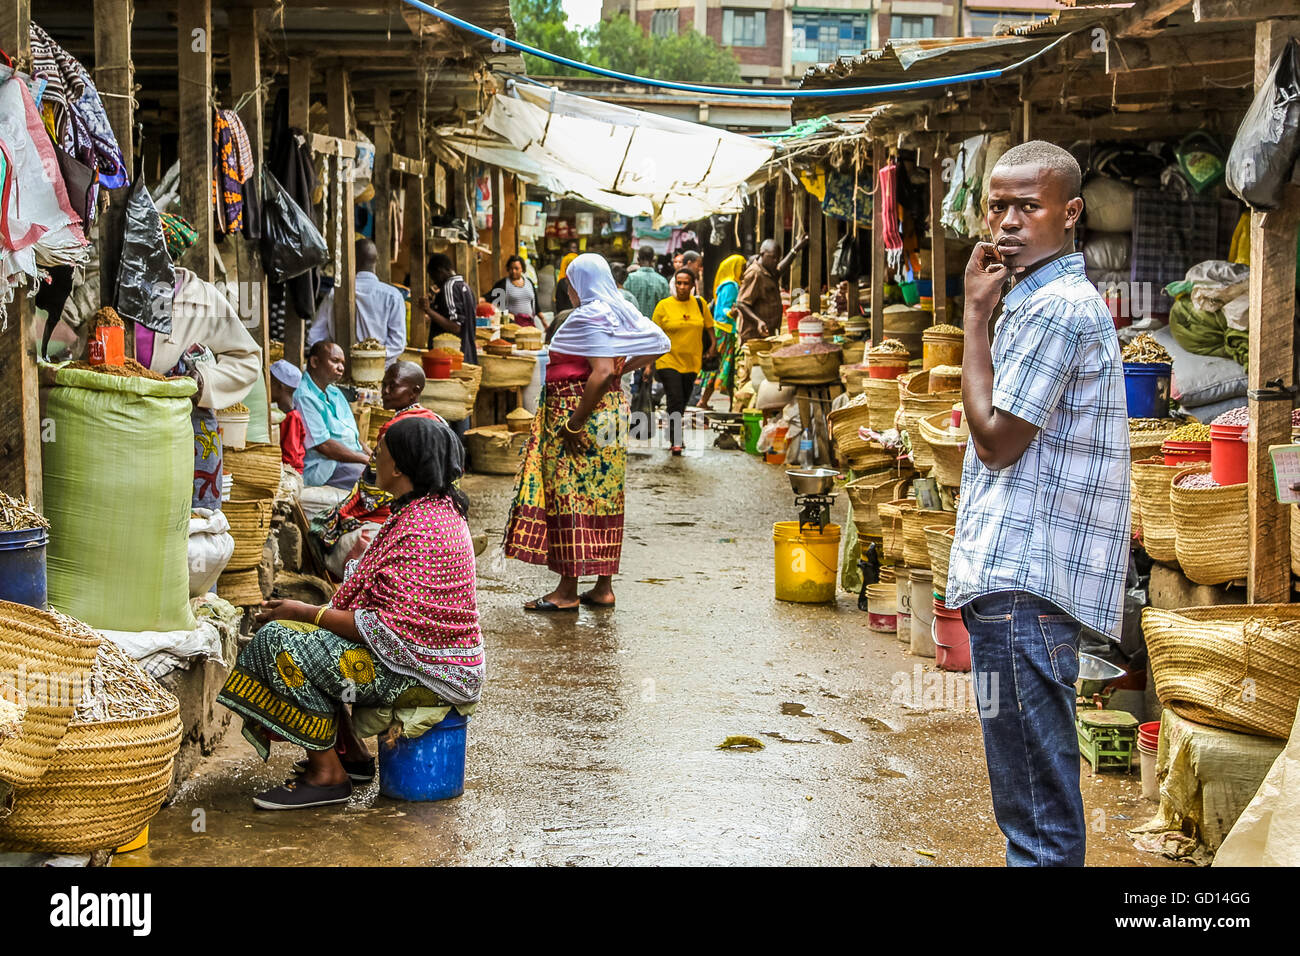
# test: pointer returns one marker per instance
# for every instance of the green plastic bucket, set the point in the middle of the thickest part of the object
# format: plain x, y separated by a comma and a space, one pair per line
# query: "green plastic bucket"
753, 428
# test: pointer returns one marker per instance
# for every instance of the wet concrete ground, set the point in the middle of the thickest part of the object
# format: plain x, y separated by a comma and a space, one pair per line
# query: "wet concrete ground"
596, 739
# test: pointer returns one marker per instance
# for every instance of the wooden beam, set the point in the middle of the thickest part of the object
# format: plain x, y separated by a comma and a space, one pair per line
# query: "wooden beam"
194, 120
333, 145
830, 239
877, 252
338, 101
416, 231
761, 203
1145, 21
246, 78
813, 223
383, 182
779, 207
295, 328
114, 78
1244, 11
413, 167
495, 178
1190, 52
20, 424
1272, 354
938, 251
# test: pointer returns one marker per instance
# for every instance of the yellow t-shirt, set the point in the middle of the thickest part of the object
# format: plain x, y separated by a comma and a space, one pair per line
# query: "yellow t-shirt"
684, 324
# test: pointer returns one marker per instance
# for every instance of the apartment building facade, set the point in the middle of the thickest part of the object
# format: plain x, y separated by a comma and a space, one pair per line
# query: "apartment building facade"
776, 40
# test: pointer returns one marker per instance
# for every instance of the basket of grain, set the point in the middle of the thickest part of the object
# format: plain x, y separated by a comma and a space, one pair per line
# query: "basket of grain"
56, 653
507, 371
367, 365
1152, 480
494, 450
255, 470
1210, 526
1229, 666
110, 772
233, 424
1146, 435
807, 363
250, 526
942, 345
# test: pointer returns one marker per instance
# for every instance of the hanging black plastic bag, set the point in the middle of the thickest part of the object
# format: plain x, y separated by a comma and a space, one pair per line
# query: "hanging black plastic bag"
146, 278
845, 263
643, 412
1268, 141
291, 243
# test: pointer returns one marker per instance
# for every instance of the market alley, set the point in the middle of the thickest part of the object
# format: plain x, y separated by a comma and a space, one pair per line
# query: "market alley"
596, 741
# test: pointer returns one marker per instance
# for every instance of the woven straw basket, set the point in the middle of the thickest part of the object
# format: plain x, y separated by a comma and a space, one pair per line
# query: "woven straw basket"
506, 371
1145, 443
254, 470
452, 398
947, 451
494, 450
916, 550
379, 417
240, 588
868, 493
854, 378
917, 403
817, 369
1210, 530
882, 402
472, 376
106, 782
938, 541
1151, 480
891, 526
1229, 666
250, 526
56, 665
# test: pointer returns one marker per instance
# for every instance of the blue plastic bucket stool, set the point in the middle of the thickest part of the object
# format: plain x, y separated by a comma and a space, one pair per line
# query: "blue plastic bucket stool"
1146, 387
430, 767
22, 566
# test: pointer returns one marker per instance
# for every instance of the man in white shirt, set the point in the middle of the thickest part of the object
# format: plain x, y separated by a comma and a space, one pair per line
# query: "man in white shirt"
381, 309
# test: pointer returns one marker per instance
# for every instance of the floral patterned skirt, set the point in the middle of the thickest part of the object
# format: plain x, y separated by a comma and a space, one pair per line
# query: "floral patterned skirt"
724, 376
568, 510
292, 678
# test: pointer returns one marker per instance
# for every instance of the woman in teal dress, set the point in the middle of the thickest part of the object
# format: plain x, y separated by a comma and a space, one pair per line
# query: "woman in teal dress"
726, 288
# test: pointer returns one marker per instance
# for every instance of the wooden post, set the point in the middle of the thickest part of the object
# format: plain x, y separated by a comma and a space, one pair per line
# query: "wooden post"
295, 328
758, 219
830, 241
114, 78
800, 218
383, 185
814, 226
246, 77
194, 119
345, 284
778, 222
417, 231
20, 424
877, 251
938, 253
494, 177
1272, 354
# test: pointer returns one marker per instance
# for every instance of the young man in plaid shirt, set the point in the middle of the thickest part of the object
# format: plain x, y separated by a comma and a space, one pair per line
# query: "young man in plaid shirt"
1042, 539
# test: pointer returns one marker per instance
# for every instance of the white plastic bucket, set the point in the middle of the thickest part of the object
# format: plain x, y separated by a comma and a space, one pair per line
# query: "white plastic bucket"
1150, 783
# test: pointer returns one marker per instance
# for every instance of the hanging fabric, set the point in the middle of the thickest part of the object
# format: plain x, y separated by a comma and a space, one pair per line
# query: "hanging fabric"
892, 234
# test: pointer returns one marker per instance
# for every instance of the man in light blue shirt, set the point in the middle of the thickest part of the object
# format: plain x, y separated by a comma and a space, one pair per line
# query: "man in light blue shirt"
335, 454
381, 308
647, 286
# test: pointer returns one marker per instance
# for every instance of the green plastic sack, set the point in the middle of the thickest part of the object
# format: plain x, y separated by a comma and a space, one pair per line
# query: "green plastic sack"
1207, 333
119, 475
259, 430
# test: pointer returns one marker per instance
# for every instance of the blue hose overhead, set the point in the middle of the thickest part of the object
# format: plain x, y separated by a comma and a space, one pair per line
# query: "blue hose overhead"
772, 92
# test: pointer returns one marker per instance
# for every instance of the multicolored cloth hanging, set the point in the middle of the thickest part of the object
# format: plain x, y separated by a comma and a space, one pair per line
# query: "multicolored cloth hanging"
893, 235
232, 166
178, 234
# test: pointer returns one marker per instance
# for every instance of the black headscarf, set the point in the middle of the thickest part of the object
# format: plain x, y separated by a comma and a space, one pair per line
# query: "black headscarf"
430, 454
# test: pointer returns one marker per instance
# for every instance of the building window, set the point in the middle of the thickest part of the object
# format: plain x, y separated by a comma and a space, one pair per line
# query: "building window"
987, 23
902, 27
663, 23
820, 37
744, 27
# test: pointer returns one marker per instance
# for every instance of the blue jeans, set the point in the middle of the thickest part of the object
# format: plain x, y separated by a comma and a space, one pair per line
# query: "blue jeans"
1024, 662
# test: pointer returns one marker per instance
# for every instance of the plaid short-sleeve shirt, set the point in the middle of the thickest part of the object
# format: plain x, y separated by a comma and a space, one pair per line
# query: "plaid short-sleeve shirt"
1055, 523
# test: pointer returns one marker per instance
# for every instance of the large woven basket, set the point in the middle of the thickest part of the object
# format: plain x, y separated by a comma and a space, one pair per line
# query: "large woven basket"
472, 376
844, 422
855, 378
868, 493
1230, 666
105, 783
1144, 443
378, 418
916, 550
882, 402
1151, 480
506, 371
918, 402
56, 664
240, 588
451, 398
254, 470
938, 541
494, 450
891, 526
854, 352
250, 526
947, 451
818, 369
1210, 530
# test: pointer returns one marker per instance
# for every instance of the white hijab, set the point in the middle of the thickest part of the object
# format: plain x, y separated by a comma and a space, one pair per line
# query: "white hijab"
604, 325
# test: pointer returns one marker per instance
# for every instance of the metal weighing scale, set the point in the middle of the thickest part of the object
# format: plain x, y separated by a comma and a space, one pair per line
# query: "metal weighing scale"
813, 496
1107, 738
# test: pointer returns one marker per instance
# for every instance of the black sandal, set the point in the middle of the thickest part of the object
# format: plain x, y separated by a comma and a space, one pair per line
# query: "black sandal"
542, 606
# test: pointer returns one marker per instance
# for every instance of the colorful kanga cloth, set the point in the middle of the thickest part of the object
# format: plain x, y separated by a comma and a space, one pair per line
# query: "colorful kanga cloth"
568, 510
229, 173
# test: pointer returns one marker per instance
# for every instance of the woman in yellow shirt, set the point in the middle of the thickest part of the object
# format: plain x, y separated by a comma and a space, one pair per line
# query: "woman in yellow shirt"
688, 324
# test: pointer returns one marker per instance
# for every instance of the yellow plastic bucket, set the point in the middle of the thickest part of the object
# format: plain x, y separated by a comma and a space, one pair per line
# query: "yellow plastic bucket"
140, 840
806, 562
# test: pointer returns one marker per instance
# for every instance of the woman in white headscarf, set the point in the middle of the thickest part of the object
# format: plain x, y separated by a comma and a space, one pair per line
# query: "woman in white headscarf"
568, 508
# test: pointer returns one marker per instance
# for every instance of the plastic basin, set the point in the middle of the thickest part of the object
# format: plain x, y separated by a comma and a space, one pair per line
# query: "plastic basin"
430, 767
1229, 454
1146, 388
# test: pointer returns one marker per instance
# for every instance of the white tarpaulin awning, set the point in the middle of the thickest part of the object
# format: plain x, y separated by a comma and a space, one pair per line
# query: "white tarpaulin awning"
630, 161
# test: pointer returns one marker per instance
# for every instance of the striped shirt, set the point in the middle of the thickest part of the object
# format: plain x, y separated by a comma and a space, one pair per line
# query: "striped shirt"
1055, 523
